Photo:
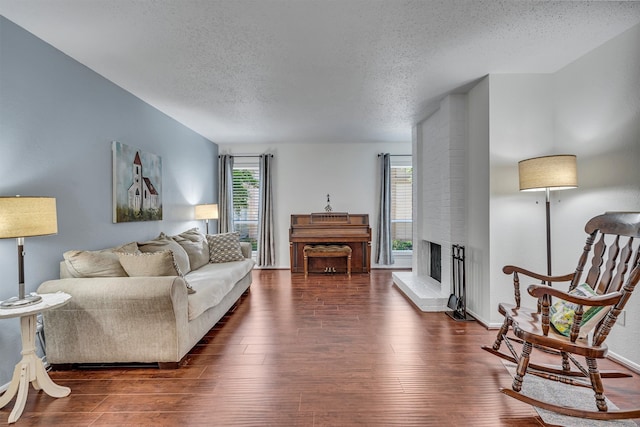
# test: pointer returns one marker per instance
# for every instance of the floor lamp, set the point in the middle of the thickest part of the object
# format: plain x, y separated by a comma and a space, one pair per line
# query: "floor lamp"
548, 173
206, 212
22, 217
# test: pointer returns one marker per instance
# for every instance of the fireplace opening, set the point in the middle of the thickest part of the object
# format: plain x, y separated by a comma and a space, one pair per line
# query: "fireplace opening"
435, 261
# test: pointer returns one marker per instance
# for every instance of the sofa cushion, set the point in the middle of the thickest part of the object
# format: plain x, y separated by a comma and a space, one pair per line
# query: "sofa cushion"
151, 264
102, 263
195, 245
212, 282
224, 247
164, 243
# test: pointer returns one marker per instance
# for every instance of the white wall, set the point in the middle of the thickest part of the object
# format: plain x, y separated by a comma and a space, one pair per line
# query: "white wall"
520, 127
477, 249
590, 108
442, 187
305, 173
597, 117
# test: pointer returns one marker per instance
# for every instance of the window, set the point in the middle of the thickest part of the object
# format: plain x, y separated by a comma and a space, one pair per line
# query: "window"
401, 201
246, 199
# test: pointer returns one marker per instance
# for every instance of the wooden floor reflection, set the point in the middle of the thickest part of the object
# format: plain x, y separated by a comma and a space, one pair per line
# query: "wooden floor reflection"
322, 351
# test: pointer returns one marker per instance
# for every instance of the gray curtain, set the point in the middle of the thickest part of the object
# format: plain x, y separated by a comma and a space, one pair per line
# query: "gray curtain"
266, 245
225, 193
384, 254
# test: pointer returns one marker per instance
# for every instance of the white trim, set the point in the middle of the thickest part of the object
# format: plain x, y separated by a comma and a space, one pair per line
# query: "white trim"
400, 254
401, 260
624, 362
401, 161
489, 325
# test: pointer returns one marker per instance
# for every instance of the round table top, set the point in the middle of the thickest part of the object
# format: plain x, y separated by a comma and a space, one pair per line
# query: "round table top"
48, 302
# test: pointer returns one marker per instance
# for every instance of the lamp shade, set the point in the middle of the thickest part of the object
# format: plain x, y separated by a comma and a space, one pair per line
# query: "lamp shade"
554, 172
207, 211
27, 216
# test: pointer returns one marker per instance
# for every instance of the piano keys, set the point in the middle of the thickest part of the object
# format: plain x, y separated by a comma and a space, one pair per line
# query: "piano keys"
330, 228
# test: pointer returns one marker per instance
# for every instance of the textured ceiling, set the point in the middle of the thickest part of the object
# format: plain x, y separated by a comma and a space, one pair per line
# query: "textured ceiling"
260, 71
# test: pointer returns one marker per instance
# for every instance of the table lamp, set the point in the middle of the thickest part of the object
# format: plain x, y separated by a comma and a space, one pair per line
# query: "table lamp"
22, 217
548, 173
207, 212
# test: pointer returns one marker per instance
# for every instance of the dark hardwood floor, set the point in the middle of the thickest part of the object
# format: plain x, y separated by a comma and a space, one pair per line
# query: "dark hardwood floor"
321, 351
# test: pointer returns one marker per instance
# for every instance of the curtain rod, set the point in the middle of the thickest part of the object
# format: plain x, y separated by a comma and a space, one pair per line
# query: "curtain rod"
396, 155
248, 155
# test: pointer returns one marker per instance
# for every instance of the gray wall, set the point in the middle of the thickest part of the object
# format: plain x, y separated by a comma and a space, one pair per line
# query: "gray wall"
57, 121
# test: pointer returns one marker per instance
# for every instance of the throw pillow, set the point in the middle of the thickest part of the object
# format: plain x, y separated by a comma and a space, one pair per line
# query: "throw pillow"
152, 264
102, 263
163, 243
224, 247
195, 245
563, 312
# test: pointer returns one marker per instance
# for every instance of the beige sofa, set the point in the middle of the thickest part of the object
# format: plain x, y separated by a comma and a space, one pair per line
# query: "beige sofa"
115, 317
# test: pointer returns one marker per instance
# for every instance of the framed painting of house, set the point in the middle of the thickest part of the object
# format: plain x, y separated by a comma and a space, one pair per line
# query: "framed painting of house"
137, 184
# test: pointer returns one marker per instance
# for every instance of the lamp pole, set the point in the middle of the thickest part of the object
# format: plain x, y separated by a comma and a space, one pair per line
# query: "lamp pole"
548, 208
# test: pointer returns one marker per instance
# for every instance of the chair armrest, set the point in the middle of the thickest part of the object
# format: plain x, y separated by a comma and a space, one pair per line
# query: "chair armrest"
516, 271
595, 301
511, 269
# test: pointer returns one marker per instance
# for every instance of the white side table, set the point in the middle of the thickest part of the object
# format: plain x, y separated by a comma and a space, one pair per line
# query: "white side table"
31, 369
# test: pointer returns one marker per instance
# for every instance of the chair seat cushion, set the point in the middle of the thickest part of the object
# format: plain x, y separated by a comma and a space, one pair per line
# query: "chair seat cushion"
322, 249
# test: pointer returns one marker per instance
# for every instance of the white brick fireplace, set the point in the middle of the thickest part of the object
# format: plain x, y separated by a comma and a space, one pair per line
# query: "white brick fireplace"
439, 158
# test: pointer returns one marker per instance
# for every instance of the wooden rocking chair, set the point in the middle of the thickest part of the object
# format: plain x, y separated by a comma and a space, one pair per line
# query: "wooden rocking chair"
615, 253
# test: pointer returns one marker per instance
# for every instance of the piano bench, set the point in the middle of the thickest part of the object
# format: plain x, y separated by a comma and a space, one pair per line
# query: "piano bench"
326, 251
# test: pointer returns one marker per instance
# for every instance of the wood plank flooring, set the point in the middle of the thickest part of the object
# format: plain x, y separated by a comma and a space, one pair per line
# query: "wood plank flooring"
321, 351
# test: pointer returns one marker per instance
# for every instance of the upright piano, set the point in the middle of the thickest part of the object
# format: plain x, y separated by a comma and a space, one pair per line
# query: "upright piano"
330, 228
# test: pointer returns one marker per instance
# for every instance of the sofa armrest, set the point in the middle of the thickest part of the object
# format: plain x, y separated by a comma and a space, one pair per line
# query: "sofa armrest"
117, 319
246, 249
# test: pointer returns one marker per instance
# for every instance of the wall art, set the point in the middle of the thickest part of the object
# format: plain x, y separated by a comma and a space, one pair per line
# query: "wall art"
137, 184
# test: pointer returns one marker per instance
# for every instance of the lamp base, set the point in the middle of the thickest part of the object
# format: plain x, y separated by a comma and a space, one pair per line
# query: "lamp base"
16, 302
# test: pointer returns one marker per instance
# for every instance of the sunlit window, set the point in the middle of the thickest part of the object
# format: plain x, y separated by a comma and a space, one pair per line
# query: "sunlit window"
401, 200
246, 193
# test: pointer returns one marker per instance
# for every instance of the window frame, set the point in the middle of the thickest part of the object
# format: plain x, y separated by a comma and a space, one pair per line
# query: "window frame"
253, 165
401, 162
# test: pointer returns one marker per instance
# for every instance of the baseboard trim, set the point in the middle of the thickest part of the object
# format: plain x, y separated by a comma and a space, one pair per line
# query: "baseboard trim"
624, 362
483, 322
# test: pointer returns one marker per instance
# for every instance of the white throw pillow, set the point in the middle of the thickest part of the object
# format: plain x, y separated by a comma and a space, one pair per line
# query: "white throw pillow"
151, 264
163, 243
195, 245
102, 263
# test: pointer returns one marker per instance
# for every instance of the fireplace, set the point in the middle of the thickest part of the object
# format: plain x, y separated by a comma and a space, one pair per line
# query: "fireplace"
435, 261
